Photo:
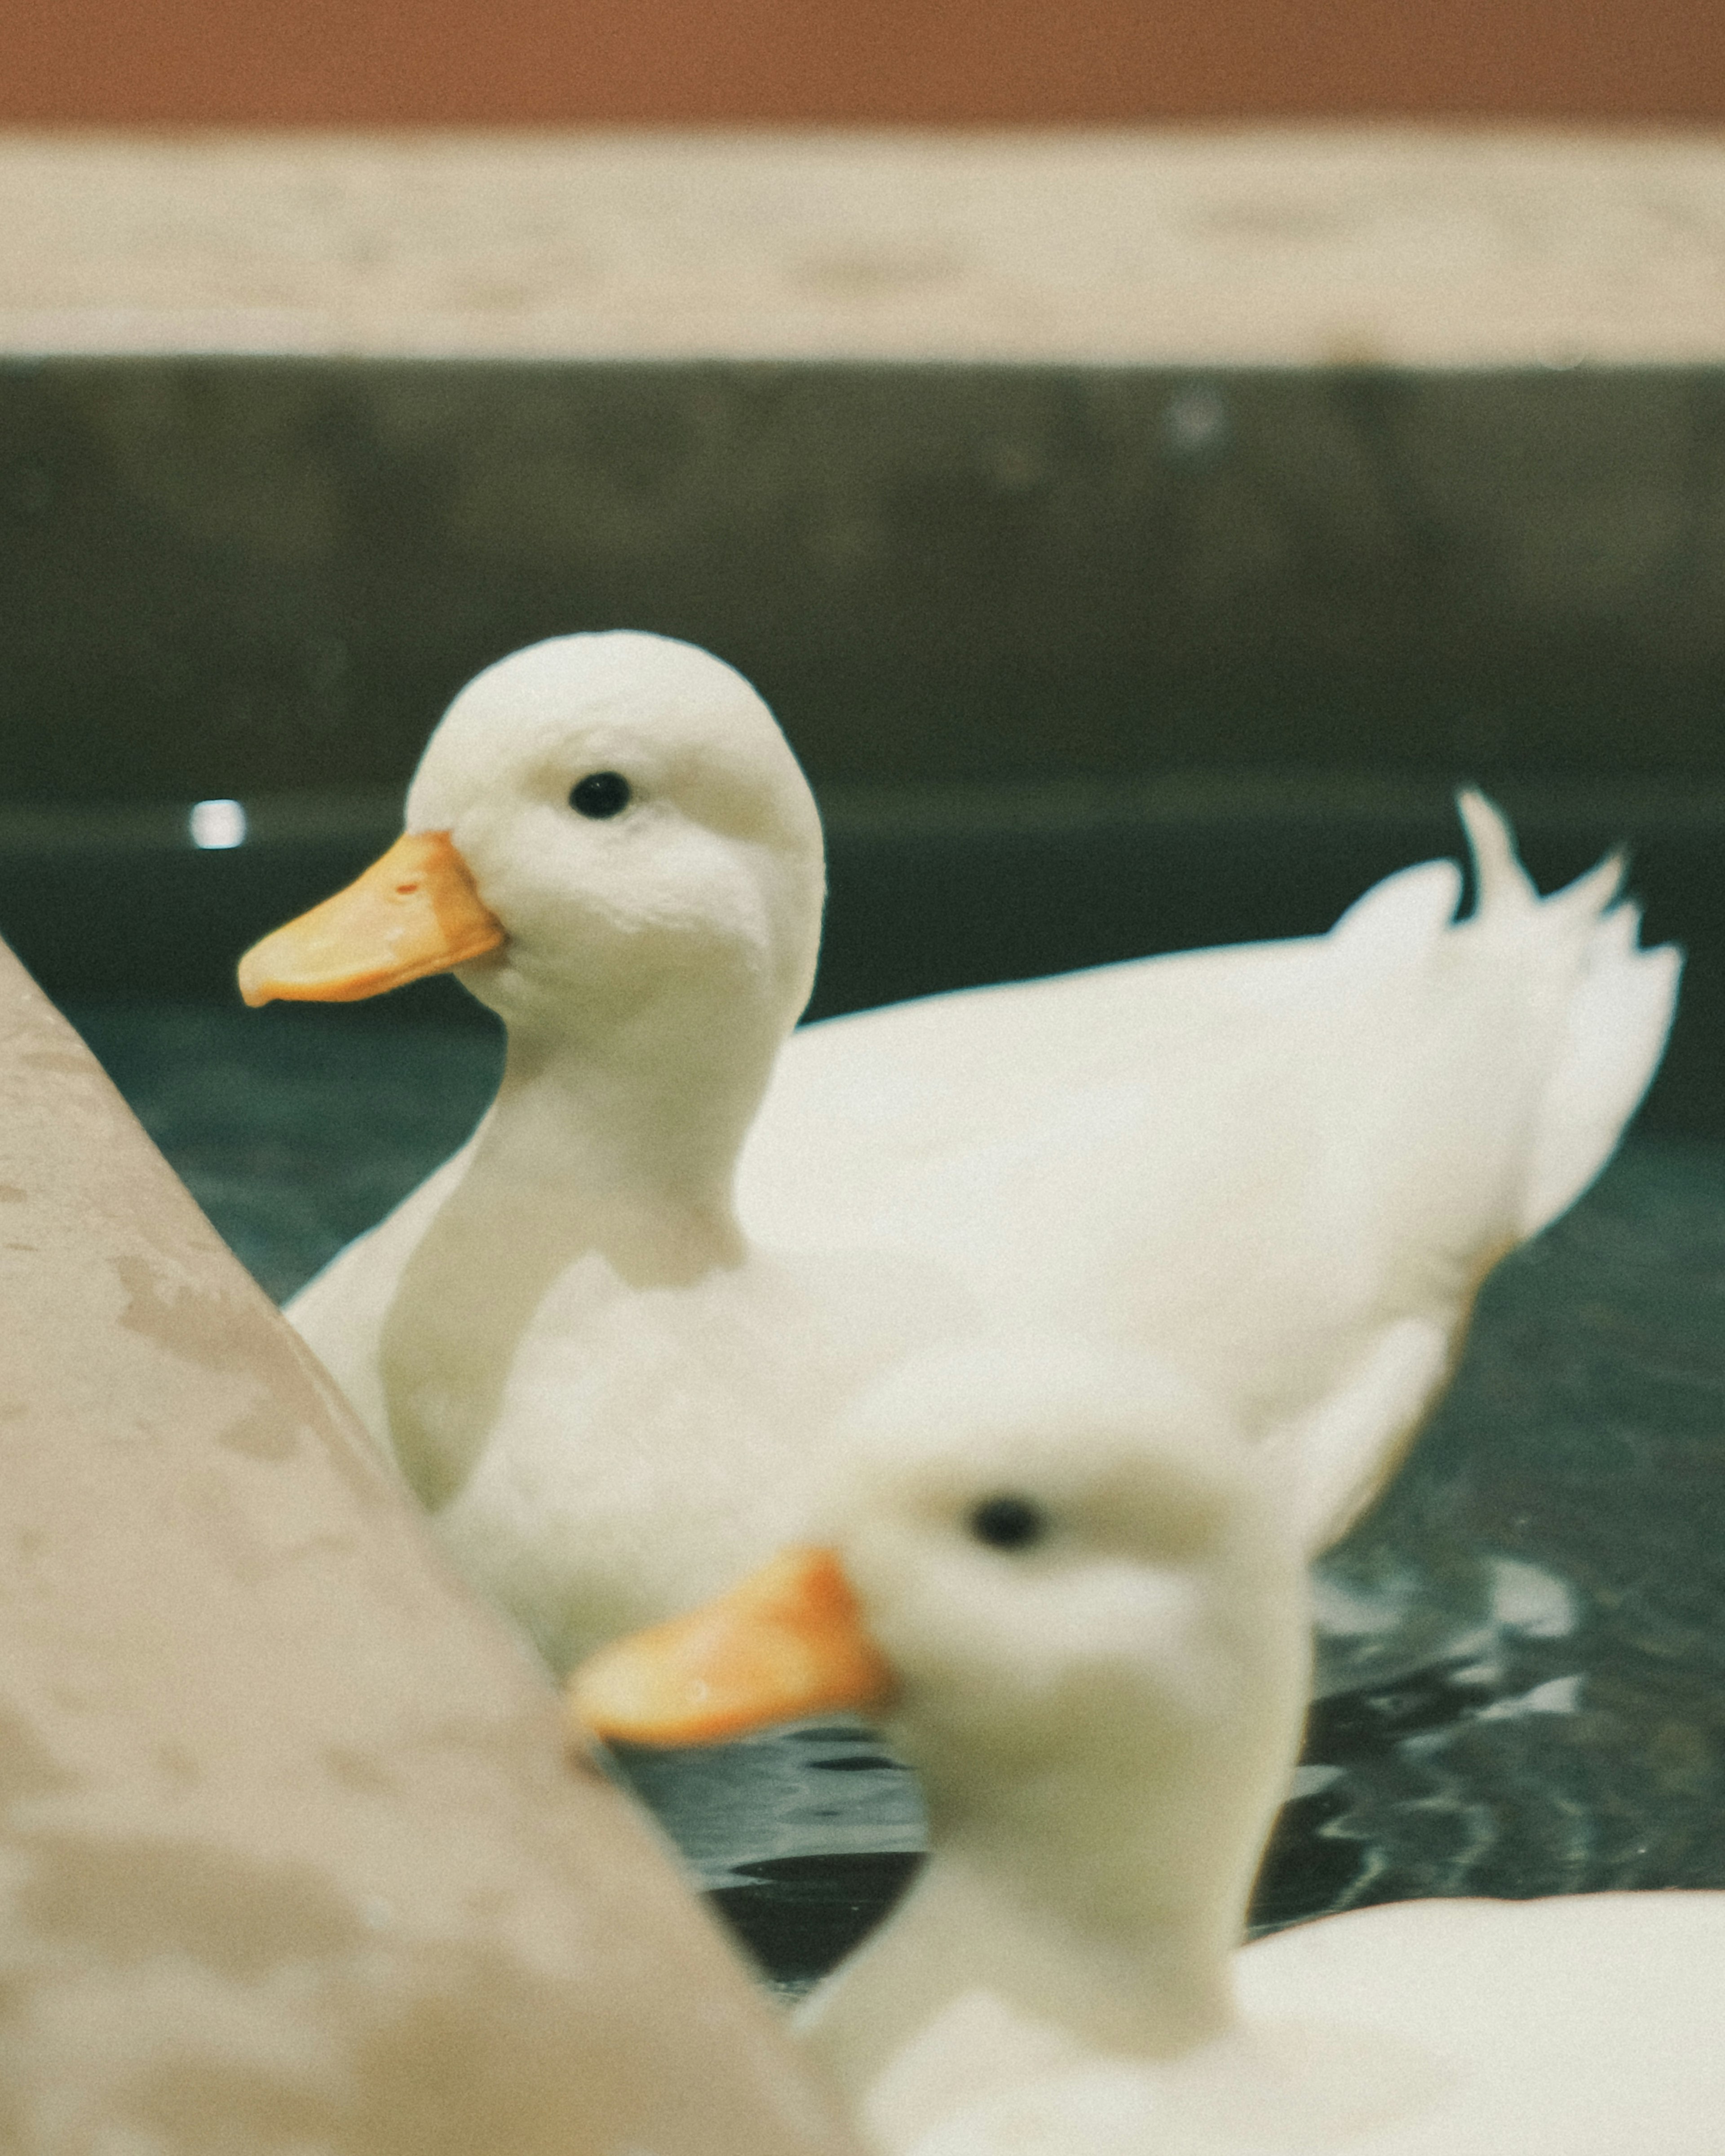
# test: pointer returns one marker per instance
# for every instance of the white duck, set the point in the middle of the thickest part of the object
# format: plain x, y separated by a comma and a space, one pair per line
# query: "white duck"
1286, 1166
1059, 1571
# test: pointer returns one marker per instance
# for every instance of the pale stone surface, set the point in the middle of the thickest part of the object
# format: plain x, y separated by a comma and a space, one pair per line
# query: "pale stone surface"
291, 1861
1295, 246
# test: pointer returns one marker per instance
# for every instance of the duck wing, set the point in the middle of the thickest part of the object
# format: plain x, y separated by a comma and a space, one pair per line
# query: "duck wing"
863, 1109
1287, 1167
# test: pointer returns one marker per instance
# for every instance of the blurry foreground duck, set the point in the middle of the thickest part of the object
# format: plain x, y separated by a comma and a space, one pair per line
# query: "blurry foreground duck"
607, 1360
1057, 1574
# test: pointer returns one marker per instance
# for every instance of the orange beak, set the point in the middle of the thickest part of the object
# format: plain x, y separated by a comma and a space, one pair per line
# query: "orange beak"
415, 911
789, 1642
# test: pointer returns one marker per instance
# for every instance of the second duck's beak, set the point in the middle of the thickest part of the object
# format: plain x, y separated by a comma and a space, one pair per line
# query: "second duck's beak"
415, 911
789, 1642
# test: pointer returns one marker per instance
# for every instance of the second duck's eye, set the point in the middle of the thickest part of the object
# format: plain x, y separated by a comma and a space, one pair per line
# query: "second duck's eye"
1007, 1522
600, 794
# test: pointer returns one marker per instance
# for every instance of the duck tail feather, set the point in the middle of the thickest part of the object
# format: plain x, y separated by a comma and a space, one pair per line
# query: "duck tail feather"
1617, 1006
1591, 897
1613, 1034
1406, 911
1502, 884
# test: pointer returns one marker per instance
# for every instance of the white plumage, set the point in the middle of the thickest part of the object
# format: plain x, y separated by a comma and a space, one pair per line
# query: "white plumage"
609, 1363
1104, 1707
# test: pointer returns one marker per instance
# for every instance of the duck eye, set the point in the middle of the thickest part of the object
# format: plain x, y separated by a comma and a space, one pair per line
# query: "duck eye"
600, 794
1008, 1523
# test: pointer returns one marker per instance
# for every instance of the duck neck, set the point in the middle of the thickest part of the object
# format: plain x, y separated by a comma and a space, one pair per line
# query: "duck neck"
614, 1143
630, 1137
1135, 1883
1017, 1942
1074, 1906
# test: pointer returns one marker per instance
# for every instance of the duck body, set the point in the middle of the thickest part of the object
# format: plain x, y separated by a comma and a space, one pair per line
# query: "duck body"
1569, 2026
650, 1432
1081, 1614
1276, 1164
606, 1359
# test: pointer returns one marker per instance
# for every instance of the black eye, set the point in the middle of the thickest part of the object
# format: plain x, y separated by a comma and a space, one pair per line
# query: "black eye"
1009, 1522
600, 794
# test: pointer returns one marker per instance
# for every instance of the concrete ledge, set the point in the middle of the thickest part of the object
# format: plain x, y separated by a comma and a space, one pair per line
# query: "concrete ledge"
290, 1855
1295, 246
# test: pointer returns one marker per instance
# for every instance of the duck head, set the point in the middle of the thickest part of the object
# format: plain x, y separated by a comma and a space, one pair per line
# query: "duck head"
1055, 1573
597, 818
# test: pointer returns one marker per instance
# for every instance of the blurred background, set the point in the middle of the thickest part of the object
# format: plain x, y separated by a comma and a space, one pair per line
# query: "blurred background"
797, 62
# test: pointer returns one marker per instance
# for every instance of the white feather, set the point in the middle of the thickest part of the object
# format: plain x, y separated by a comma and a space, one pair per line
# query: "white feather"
613, 1390
1106, 1718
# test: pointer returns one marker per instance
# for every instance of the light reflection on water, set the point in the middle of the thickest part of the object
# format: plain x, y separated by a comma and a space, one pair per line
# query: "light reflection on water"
824, 1788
